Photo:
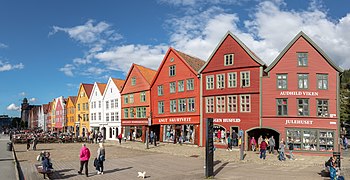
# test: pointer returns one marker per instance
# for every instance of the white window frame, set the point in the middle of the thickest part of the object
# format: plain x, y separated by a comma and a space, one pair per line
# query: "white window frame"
231, 103
173, 106
181, 105
245, 78
181, 86
160, 107
243, 104
220, 104
190, 84
220, 81
232, 79
172, 70
229, 59
160, 90
209, 82
209, 104
172, 87
191, 105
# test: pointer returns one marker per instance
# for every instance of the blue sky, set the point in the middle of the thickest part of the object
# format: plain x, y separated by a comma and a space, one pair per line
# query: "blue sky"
47, 48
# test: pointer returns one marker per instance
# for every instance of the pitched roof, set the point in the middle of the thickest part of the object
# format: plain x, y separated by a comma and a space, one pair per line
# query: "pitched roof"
119, 83
73, 99
194, 62
101, 87
88, 88
147, 73
45, 108
246, 49
312, 43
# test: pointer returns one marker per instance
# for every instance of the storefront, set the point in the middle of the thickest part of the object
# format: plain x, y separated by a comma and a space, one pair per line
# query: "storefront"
175, 128
134, 130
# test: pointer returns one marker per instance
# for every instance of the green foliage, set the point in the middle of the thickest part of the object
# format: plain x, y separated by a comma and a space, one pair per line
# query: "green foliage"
345, 96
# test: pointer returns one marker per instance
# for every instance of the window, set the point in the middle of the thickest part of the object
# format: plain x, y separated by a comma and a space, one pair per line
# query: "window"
220, 81
160, 90
303, 107
133, 81
172, 87
191, 105
141, 112
95, 116
171, 59
220, 104
210, 82
112, 116
182, 105
116, 103
232, 103
172, 106
78, 107
302, 59
172, 70
99, 116
181, 86
132, 112
92, 105
209, 101
228, 59
126, 113
322, 81
282, 107
245, 103
131, 98
92, 116
245, 79
303, 81
282, 81
112, 104
107, 104
232, 80
161, 107
190, 84
83, 106
126, 99
322, 108
87, 106
99, 104
143, 96
107, 116
111, 90
116, 116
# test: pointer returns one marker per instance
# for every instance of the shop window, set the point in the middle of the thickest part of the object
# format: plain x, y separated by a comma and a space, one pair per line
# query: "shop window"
210, 82
160, 90
302, 58
303, 107
294, 135
169, 133
181, 86
232, 103
190, 84
209, 101
245, 103
282, 107
326, 140
232, 80
322, 108
303, 81
309, 142
191, 104
322, 81
282, 81
228, 59
172, 87
220, 81
245, 79
219, 134
220, 104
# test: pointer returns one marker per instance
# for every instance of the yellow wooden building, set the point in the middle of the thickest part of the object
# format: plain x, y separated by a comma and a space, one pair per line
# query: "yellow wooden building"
70, 113
82, 124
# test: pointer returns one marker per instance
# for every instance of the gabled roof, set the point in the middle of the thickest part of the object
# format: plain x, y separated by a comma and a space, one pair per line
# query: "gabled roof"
312, 43
88, 89
101, 87
246, 49
73, 99
194, 62
119, 83
147, 73
45, 108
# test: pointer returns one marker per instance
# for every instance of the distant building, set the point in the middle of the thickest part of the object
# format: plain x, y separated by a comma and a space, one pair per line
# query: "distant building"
5, 121
29, 118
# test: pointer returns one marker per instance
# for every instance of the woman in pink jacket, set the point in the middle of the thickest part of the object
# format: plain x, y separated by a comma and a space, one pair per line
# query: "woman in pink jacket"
84, 159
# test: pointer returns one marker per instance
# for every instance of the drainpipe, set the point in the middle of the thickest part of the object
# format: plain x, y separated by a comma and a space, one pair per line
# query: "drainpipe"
200, 110
260, 96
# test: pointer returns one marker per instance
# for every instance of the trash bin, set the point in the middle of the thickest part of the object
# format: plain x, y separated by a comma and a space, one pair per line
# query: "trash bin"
9, 146
337, 156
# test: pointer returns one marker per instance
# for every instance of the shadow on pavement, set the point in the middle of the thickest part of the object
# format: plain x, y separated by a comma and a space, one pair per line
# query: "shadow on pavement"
115, 170
6, 159
220, 168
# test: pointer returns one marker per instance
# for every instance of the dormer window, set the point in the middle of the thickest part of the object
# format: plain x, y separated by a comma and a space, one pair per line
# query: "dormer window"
228, 59
133, 81
302, 58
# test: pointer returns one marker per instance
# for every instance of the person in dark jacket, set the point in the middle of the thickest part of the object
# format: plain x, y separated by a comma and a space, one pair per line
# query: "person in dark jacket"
101, 155
28, 143
263, 147
291, 148
272, 145
47, 165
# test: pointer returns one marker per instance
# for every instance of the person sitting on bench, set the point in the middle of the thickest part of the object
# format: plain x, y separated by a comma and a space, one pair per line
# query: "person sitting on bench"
47, 165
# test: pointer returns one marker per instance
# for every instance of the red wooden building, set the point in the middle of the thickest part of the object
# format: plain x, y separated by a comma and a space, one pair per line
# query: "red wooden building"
136, 101
175, 98
300, 97
231, 83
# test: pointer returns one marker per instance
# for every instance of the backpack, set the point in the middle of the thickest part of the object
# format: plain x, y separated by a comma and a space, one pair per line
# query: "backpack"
102, 157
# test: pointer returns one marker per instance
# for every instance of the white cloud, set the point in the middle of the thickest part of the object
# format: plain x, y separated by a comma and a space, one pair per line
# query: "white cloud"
5, 66
2, 45
68, 70
201, 2
32, 100
13, 107
22, 94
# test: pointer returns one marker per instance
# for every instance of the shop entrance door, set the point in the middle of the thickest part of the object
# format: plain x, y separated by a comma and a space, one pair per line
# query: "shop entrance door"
264, 132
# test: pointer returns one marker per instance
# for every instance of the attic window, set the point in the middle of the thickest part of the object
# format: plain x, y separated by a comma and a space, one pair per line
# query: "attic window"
228, 59
302, 58
133, 81
171, 59
111, 90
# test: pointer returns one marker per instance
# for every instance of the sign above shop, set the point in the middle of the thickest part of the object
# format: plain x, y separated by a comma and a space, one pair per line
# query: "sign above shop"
289, 121
176, 120
298, 93
226, 120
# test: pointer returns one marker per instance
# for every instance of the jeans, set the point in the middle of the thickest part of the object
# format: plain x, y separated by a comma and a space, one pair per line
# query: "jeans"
262, 153
281, 157
99, 166
291, 154
271, 149
84, 163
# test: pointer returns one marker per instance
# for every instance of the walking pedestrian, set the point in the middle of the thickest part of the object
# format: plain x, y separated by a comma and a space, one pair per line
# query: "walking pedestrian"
234, 138
101, 155
151, 137
345, 143
91, 137
84, 159
155, 138
96, 137
120, 136
281, 156
28, 143
229, 146
253, 143
291, 148
271, 145
260, 139
263, 147
35, 142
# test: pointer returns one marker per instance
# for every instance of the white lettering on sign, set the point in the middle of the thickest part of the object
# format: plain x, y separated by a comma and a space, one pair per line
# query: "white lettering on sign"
298, 93
332, 122
180, 120
163, 120
226, 120
299, 121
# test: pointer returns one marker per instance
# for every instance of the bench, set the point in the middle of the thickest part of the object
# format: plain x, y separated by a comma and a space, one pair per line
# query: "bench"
39, 169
